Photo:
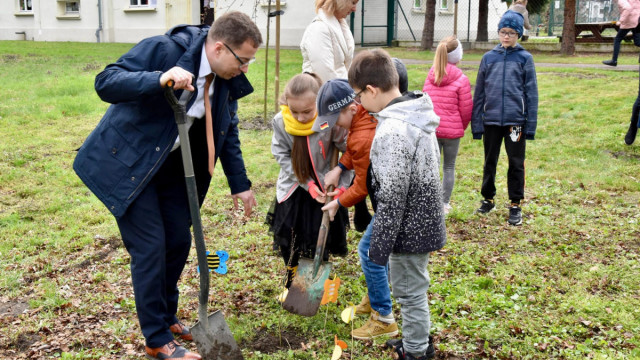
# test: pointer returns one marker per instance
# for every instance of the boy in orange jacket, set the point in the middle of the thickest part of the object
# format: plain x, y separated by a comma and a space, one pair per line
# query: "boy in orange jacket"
337, 105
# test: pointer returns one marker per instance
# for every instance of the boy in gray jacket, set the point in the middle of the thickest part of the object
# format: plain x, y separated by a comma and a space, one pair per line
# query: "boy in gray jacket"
505, 106
404, 186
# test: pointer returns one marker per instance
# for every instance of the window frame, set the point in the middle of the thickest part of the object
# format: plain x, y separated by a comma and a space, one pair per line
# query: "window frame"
71, 12
23, 4
138, 4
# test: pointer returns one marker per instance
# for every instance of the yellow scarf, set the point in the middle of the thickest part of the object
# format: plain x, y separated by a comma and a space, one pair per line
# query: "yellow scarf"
293, 126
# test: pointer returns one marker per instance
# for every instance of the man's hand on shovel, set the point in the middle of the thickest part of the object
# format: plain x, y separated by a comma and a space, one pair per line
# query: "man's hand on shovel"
181, 78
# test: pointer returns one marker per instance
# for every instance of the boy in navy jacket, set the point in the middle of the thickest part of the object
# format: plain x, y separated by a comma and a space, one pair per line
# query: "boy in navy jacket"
505, 106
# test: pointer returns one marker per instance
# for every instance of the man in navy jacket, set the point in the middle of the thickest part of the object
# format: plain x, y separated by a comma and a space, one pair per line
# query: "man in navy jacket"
132, 163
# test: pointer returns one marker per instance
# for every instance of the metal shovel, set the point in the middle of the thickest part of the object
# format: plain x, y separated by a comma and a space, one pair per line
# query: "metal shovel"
211, 333
306, 290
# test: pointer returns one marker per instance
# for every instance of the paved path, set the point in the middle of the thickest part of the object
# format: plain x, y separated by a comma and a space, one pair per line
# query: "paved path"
538, 65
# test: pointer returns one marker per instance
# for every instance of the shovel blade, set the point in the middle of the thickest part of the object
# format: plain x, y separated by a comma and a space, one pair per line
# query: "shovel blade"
305, 292
216, 342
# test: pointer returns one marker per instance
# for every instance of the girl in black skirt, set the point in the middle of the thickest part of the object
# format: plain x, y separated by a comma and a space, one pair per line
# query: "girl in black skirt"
295, 215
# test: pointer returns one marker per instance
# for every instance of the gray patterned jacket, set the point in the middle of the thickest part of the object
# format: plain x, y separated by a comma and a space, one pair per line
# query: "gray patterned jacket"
320, 148
406, 181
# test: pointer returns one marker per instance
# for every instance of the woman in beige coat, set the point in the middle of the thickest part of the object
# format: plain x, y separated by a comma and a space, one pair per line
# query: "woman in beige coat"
327, 44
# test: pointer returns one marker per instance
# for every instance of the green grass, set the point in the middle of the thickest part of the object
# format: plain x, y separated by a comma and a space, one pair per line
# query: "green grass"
564, 285
539, 57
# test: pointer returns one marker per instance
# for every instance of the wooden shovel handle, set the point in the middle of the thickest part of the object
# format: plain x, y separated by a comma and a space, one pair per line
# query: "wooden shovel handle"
324, 226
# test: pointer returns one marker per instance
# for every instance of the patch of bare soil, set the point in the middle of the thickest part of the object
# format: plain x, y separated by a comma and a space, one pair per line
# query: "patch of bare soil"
267, 342
12, 308
24, 341
624, 154
10, 58
257, 123
106, 246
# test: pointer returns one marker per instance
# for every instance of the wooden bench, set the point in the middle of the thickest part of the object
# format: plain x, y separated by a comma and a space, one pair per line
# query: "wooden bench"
596, 30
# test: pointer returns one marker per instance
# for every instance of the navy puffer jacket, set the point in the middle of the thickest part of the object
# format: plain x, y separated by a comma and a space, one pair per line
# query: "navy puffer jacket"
137, 132
506, 91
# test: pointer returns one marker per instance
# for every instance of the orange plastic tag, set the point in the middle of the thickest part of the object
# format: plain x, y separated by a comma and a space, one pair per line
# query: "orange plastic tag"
330, 291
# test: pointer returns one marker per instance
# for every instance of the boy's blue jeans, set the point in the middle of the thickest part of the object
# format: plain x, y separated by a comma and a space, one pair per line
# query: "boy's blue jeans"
376, 275
410, 282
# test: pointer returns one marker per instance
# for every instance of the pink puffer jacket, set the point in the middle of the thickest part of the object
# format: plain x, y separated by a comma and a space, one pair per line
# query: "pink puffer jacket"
629, 13
451, 101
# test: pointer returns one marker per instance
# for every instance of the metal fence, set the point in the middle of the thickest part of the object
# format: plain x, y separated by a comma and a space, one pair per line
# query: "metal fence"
370, 20
587, 11
410, 16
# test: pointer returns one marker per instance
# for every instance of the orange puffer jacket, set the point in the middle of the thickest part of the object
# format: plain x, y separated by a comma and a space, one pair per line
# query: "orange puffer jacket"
361, 133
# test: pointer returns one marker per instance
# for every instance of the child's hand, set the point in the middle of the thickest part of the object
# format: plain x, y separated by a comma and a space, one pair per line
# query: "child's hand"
331, 208
332, 177
337, 192
315, 193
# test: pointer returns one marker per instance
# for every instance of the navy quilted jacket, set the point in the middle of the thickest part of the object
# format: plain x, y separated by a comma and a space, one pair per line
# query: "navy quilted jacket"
506, 91
137, 132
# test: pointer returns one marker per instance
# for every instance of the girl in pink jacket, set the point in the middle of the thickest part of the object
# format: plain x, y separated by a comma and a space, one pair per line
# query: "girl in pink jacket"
629, 16
450, 92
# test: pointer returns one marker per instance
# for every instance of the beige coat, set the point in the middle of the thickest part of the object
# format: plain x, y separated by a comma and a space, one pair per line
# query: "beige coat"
327, 47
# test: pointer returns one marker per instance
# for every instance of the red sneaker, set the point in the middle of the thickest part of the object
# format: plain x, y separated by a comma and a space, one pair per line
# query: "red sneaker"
171, 350
182, 331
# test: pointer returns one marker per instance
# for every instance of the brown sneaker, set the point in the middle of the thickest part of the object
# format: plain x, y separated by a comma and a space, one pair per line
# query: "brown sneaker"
182, 331
171, 350
374, 328
364, 308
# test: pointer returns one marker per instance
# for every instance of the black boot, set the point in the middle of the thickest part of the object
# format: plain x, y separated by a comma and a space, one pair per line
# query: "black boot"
610, 62
631, 133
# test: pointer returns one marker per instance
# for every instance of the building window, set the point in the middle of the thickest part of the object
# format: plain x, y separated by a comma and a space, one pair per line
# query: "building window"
142, 6
72, 8
25, 5
444, 4
68, 10
417, 4
139, 2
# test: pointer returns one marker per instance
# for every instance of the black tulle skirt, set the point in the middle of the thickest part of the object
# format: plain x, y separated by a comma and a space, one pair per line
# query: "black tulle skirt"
296, 222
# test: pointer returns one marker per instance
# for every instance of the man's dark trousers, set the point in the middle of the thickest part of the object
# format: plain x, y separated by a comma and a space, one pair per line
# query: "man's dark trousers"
515, 145
155, 231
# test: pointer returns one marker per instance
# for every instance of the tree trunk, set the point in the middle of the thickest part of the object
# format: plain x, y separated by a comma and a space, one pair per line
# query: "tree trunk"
568, 29
483, 18
426, 42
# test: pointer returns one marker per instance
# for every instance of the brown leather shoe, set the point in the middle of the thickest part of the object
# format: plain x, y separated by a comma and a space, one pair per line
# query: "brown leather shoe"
171, 350
182, 331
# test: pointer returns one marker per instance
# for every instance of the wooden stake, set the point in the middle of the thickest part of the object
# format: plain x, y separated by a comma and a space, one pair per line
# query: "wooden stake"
277, 82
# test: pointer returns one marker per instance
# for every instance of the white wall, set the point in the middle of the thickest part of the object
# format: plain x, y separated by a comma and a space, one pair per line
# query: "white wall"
124, 24
298, 14
120, 22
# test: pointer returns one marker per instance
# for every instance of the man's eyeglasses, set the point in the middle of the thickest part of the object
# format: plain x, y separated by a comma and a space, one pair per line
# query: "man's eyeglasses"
507, 33
242, 63
357, 97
